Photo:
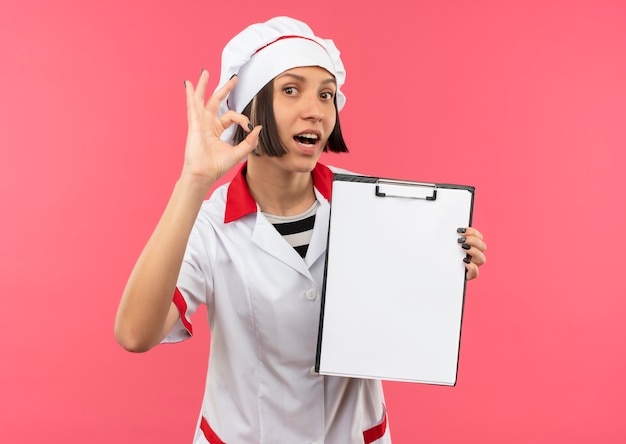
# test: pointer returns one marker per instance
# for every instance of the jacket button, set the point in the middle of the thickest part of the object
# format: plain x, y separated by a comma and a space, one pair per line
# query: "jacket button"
311, 295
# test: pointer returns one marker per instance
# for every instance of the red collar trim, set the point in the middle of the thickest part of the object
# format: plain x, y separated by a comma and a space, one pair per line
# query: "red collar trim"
239, 201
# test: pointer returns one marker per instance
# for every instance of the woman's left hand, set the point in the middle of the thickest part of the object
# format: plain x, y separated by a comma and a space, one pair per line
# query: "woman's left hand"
471, 241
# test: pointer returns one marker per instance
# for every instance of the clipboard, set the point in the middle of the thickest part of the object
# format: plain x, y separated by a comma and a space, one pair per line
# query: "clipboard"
394, 282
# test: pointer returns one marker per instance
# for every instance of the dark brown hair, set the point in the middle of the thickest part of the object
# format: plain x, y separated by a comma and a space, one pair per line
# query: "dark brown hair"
260, 111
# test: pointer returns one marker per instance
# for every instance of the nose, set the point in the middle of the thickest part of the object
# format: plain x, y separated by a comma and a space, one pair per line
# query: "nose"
312, 108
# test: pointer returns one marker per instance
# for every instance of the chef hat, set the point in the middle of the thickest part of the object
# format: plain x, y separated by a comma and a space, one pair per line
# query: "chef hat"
263, 50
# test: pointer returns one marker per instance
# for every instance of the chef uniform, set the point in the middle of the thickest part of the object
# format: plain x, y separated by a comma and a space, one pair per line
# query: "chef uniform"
262, 297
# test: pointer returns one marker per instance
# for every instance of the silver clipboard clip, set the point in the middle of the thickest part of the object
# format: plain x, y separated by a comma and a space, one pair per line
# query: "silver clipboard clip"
406, 189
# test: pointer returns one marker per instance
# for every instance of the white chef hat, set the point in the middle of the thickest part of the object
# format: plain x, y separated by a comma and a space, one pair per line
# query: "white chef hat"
263, 50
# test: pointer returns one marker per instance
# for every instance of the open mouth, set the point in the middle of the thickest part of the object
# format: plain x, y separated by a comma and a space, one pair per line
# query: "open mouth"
307, 139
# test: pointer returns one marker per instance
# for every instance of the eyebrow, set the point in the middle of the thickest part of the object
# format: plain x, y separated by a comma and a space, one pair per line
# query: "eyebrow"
303, 79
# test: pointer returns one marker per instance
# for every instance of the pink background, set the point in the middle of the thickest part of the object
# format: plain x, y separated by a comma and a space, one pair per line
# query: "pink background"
525, 100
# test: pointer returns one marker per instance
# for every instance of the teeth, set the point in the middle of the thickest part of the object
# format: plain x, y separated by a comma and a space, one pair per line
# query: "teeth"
307, 138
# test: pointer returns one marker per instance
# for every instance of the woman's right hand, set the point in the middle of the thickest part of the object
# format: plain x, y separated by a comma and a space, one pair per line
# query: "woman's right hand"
207, 157
146, 312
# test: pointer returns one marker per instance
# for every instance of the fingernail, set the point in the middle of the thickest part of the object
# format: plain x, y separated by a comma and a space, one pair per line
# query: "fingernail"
466, 260
465, 246
185, 83
202, 71
232, 76
461, 240
460, 230
250, 127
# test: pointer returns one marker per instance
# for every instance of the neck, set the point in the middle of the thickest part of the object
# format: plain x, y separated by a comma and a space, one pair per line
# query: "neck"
277, 191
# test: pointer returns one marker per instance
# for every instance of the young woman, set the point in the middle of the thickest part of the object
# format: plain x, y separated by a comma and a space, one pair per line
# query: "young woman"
254, 252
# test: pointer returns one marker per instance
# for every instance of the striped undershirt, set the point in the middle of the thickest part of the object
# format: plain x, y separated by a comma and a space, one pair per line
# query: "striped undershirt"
296, 230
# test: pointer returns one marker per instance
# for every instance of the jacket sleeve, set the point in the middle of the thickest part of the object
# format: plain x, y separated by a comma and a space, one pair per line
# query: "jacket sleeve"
193, 285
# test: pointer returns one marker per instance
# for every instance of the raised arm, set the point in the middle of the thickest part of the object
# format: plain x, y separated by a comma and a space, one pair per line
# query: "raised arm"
146, 312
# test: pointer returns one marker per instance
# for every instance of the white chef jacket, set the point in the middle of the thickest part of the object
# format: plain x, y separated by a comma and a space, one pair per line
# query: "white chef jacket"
263, 305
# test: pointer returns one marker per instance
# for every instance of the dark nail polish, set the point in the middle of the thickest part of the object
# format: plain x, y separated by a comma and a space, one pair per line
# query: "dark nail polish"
250, 127
460, 230
465, 246
202, 71
461, 240
466, 260
232, 76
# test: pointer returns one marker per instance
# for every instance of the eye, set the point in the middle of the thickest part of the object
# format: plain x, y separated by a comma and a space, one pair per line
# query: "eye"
289, 90
327, 95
